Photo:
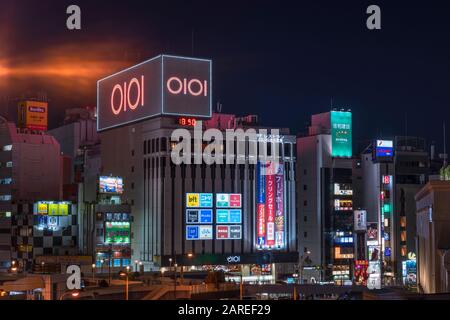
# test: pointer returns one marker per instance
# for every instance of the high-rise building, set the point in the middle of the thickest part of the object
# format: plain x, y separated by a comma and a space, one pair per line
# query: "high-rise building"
30, 170
239, 214
325, 170
394, 170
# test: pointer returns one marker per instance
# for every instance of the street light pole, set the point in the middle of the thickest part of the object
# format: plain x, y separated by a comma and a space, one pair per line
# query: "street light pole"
93, 273
175, 280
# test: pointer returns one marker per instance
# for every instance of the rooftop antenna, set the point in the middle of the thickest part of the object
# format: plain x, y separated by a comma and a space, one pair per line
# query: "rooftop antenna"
445, 148
192, 42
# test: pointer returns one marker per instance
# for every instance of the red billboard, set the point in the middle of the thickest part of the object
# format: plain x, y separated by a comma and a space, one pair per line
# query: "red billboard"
270, 203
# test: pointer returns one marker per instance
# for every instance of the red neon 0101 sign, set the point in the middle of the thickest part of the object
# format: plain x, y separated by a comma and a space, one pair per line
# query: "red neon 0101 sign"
124, 91
193, 87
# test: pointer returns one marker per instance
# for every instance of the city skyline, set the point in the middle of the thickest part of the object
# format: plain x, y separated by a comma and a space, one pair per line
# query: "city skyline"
272, 60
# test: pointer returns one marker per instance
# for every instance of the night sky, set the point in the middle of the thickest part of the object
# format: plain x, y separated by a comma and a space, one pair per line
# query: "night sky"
282, 60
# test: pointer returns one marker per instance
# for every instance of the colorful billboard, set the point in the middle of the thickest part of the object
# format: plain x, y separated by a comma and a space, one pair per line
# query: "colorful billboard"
117, 232
199, 232
228, 200
199, 200
228, 216
231, 232
33, 115
341, 134
110, 185
52, 208
270, 215
383, 151
199, 216
164, 85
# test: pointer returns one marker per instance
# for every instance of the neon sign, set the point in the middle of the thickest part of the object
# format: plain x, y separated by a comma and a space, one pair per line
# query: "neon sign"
194, 87
124, 92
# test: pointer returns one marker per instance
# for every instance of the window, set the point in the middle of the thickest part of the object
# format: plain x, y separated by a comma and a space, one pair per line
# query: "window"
305, 218
287, 149
132, 185
132, 168
305, 234
304, 172
5, 197
132, 153
305, 187
7, 147
6, 181
163, 144
305, 203
305, 249
9, 164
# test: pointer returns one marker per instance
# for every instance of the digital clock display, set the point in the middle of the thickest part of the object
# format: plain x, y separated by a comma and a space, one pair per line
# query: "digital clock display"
191, 122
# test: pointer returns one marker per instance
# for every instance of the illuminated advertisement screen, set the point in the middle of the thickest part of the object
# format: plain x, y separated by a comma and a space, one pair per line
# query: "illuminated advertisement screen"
228, 200
360, 220
342, 189
45, 222
228, 232
228, 216
372, 232
113, 185
199, 232
51, 208
199, 216
117, 233
199, 200
384, 149
164, 85
270, 215
33, 115
341, 134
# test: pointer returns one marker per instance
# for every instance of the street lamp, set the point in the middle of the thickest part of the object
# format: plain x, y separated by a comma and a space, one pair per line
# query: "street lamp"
125, 274
93, 273
175, 280
302, 260
74, 294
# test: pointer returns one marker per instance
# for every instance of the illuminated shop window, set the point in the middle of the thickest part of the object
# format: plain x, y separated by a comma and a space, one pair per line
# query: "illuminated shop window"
5, 197
7, 147
9, 164
6, 181
343, 253
343, 205
6, 214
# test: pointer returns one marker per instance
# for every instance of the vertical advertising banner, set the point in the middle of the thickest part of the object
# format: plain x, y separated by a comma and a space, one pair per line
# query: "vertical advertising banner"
341, 134
270, 215
270, 203
279, 206
260, 206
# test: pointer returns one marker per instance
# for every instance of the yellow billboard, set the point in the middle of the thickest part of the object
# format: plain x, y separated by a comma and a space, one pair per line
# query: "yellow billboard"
192, 200
42, 208
33, 115
53, 209
63, 209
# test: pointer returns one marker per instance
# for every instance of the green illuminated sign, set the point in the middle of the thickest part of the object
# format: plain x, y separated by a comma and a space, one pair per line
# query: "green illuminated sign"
117, 233
341, 134
387, 208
